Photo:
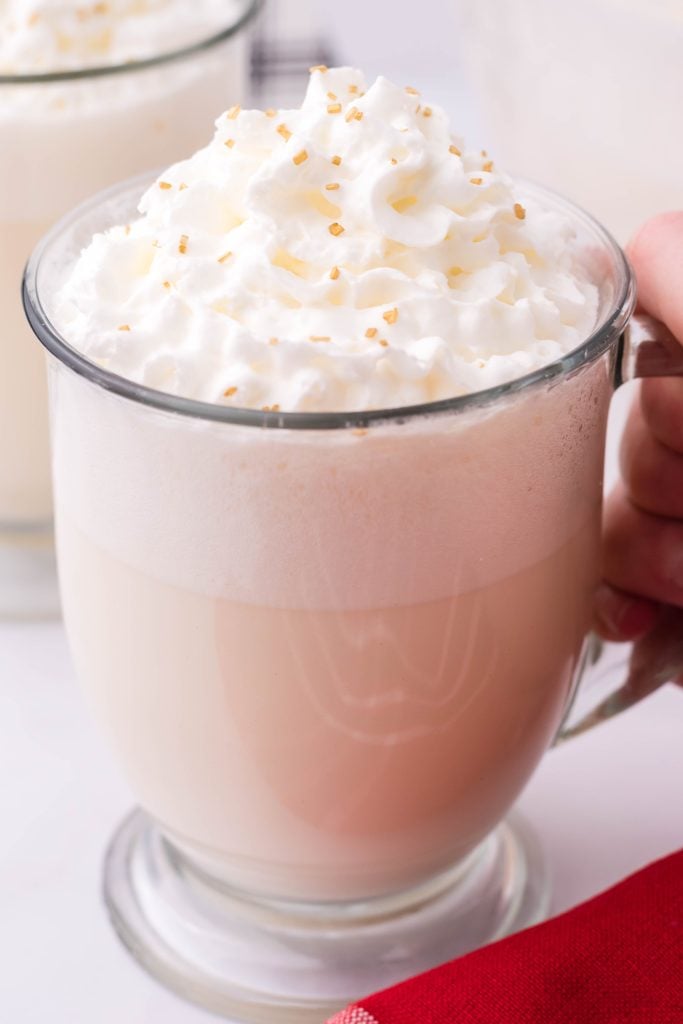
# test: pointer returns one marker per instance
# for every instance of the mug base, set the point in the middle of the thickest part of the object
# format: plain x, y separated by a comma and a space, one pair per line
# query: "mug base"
275, 962
28, 574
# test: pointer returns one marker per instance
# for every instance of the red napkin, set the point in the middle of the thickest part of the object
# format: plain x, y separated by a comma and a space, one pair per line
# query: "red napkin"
617, 959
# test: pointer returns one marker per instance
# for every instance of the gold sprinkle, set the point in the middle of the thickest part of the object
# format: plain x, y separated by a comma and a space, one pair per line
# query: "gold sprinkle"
336, 160
383, 342
334, 273
476, 181
401, 205
359, 115
123, 327
331, 95
229, 392
427, 112
359, 432
391, 316
520, 212
284, 131
353, 89
319, 67
411, 92
167, 284
300, 157
455, 271
484, 153
274, 341
394, 160
233, 113
336, 229
165, 185
270, 112
320, 337
488, 166
334, 108
350, 114
371, 332
230, 143
332, 187
270, 408
225, 257
183, 185
182, 245
454, 150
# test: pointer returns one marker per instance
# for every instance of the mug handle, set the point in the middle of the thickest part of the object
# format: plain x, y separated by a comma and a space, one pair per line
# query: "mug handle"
647, 348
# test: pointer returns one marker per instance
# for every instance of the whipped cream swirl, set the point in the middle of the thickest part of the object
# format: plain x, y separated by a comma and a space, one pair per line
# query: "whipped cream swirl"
346, 256
40, 36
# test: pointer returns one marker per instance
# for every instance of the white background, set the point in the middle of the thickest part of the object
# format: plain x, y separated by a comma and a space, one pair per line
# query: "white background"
602, 806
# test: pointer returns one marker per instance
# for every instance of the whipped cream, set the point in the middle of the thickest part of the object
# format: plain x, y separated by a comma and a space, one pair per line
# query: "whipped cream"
64, 35
349, 255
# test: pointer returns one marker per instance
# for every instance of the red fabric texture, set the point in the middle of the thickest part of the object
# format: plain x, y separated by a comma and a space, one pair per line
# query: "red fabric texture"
617, 959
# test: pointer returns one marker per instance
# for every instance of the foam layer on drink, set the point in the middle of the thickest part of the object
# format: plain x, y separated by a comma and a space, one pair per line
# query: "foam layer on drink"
64, 35
338, 519
348, 255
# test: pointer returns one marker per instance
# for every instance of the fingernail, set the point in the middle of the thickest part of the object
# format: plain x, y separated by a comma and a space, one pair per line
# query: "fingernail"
623, 616
637, 618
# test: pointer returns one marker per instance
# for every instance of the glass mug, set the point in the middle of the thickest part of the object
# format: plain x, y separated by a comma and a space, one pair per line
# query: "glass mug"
64, 136
329, 649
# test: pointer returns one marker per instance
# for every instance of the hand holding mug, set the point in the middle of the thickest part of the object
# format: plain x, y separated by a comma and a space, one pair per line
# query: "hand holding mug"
643, 548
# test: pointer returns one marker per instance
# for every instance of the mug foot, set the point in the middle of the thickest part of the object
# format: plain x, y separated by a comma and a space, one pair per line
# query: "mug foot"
277, 962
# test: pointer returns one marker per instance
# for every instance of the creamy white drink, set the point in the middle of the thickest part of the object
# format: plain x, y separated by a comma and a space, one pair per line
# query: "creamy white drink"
329, 659
67, 131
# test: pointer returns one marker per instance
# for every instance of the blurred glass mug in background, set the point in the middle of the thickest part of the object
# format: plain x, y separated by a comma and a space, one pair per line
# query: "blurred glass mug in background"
584, 96
63, 136
330, 649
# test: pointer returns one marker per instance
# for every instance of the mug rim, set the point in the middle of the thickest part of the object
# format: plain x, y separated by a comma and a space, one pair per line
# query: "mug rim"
249, 11
608, 330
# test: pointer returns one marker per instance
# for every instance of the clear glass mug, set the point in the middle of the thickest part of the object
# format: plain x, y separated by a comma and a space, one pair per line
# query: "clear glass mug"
329, 649
64, 136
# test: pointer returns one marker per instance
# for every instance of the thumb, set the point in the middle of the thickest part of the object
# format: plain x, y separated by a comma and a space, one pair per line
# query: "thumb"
656, 252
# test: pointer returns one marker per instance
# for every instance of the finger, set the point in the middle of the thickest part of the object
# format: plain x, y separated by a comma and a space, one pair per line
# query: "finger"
661, 400
642, 553
656, 252
619, 616
652, 472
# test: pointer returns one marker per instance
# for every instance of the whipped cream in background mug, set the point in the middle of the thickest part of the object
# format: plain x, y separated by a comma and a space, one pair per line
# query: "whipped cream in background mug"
66, 130
327, 597
63, 35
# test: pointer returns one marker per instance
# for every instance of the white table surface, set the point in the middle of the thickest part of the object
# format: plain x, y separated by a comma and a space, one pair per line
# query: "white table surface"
602, 806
